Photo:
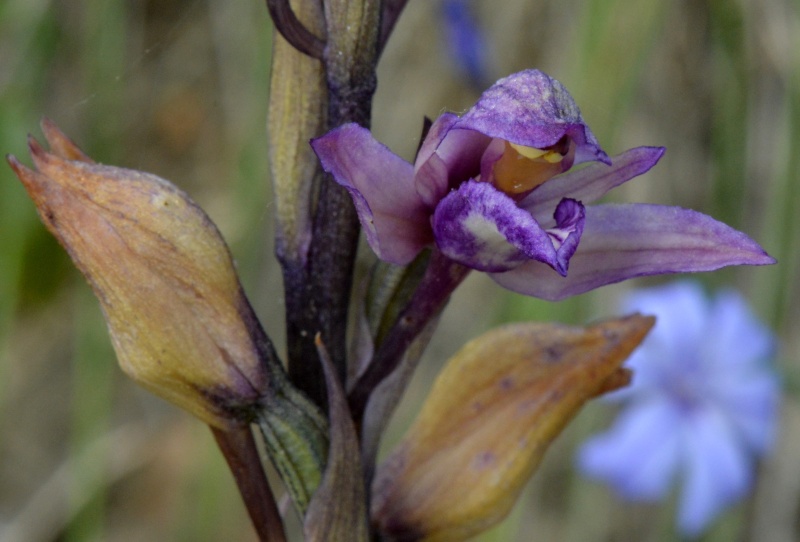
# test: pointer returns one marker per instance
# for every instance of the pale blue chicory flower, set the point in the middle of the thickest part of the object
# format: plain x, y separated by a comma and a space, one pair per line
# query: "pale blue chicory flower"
702, 407
495, 190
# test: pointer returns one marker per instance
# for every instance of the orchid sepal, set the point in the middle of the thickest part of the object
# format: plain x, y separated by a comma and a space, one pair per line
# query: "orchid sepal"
624, 241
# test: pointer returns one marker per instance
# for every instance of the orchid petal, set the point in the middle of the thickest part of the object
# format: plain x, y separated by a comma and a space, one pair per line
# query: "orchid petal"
530, 108
446, 158
591, 182
430, 171
461, 150
481, 227
631, 240
436, 133
570, 217
394, 218
493, 152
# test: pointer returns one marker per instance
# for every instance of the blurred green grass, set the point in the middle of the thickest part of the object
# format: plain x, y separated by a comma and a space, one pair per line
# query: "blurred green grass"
179, 89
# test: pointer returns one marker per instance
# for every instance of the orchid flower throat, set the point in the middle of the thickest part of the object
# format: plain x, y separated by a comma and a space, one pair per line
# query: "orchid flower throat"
521, 169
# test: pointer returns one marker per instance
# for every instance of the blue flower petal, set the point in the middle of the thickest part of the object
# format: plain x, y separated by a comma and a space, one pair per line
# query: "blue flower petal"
639, 455
683, 314
717, 471
740, 340
465, 40
705, 363
751, 400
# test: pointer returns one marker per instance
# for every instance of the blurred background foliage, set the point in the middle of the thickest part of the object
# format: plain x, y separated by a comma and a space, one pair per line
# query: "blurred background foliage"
179, 89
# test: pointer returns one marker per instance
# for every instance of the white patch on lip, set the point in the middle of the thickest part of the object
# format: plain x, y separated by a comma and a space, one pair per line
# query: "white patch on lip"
494, 249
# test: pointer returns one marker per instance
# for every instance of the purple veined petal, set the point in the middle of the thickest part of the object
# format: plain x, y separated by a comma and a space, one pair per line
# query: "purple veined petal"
716, 474
532, 109
482, 228
431, 178
493, 152
639, 455
394, 218
455, 158
570, 217
431, 181
591, 182
437, 132
621, 242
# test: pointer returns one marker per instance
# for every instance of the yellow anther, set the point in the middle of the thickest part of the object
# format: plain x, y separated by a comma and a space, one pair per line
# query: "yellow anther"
531, 153
552, 155
521, 169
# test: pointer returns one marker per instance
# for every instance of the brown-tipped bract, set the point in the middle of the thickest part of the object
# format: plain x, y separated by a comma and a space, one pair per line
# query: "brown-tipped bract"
491, 415
179, 321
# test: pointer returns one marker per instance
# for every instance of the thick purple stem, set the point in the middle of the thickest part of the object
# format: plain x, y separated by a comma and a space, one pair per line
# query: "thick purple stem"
324, 291
327, 292
318, 294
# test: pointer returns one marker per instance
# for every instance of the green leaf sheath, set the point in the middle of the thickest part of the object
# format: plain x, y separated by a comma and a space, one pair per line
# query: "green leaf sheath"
296, 439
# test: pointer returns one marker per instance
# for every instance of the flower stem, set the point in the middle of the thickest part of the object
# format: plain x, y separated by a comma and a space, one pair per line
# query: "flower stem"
441, 278
239, 448
318, 295
321, 298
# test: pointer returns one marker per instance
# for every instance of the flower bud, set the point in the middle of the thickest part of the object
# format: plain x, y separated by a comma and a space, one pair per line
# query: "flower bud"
179, 321
490, 416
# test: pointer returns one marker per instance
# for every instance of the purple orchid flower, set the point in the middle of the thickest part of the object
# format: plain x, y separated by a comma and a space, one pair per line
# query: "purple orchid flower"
704, 402
495, 191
